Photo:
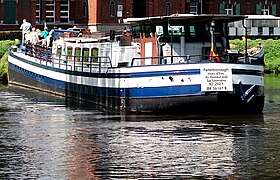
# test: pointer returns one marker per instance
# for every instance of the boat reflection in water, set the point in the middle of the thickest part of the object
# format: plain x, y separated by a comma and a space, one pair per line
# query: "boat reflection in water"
42, 137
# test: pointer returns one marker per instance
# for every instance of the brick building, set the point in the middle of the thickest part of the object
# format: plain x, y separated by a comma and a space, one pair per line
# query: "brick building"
103, 14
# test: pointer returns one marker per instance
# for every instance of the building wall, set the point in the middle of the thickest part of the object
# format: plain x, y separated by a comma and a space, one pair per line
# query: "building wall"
26, 9
175, 7
98, 11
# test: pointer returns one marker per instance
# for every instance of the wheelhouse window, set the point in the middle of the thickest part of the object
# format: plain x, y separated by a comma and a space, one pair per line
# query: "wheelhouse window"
176, 30
193, 7
64, 11
148, 31
197, 32
168, 8
159, 30
112, 6
136, 31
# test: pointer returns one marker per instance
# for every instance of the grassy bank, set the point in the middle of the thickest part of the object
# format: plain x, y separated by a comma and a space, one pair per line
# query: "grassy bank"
4, 45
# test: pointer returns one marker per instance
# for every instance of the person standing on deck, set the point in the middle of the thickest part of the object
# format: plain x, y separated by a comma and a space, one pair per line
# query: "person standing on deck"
49, 39
34, 36
45, 32
27, 37
25, 26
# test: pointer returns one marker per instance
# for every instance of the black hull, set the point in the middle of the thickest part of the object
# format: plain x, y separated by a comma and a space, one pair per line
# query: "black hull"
216, 103
213, 103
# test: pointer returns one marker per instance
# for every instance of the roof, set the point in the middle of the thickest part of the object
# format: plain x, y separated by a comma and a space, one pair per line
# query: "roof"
185, 17
263, 17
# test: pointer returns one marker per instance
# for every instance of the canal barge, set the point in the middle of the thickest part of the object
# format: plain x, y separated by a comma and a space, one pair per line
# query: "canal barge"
180, 63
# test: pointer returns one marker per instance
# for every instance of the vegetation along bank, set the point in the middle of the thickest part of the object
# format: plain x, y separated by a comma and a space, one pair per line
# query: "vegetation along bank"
272, 54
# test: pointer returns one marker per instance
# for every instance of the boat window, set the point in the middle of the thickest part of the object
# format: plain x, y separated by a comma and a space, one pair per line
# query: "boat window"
136, 31
77, 54
94, 55
69, 52
192, 31
148, 31
198, 32
85, 54
176, 30
159, 30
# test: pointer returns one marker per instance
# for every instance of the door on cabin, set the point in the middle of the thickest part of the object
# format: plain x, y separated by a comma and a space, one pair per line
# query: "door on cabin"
148, 53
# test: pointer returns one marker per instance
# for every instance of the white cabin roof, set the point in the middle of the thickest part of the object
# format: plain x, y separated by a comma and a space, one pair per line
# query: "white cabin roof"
262, 17
209, 17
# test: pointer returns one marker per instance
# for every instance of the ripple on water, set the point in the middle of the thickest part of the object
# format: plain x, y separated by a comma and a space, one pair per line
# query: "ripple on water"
41, 137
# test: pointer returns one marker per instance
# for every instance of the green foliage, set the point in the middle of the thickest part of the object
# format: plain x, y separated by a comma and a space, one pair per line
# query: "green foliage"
4, 45
272, 51
4, 68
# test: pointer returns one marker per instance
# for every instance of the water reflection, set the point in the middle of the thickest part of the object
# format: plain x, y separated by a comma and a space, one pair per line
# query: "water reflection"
43, 137
272, 87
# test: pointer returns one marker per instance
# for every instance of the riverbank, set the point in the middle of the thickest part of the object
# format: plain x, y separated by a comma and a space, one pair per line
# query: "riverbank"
4, 45
272, 54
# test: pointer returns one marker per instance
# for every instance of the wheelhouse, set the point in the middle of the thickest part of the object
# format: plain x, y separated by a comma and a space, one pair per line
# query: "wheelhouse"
185, 35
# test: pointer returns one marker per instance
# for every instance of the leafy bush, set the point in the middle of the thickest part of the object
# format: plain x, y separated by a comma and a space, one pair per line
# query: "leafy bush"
4, 69
272, 51
4, 45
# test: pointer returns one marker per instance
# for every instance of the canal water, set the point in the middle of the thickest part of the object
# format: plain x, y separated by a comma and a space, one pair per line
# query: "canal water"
43, 137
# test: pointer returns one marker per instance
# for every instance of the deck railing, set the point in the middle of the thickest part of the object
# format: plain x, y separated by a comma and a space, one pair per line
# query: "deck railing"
68, 62
188, 59
193, 59
94, 64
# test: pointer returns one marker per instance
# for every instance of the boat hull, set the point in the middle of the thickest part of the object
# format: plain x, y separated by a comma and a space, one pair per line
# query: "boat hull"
140, 89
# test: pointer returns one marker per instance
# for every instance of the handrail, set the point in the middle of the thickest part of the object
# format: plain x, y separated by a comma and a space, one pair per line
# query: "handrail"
45, 54
189, 59
184, 59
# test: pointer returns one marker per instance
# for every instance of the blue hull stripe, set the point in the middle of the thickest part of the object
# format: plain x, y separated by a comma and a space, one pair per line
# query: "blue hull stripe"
156, 73
247, 72
112, 92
